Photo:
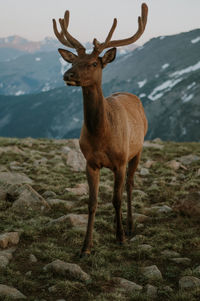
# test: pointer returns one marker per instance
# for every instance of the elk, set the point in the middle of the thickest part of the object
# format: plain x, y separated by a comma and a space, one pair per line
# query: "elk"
114, 127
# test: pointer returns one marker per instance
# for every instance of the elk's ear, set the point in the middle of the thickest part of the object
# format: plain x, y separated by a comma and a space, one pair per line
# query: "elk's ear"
67, 55
109, 56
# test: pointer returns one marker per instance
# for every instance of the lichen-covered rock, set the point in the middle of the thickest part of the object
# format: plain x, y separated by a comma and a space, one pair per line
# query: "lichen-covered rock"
14, 178
74, 157
189, 282
151, 291
79, 189
181, 260
10, 292
9, 238
170, 253
29, 199
67, 269
151, 272
126, 285
188, 159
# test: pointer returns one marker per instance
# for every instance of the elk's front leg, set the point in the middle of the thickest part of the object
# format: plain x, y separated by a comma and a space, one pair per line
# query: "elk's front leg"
117, 202
93, 182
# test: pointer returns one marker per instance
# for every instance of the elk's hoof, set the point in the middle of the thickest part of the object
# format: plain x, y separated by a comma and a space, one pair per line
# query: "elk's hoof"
85, 253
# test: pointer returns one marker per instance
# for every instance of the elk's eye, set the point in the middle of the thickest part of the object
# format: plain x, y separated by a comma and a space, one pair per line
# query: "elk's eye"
94, 64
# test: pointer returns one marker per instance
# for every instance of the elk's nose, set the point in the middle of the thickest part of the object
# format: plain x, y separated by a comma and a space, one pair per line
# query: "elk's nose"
68, 75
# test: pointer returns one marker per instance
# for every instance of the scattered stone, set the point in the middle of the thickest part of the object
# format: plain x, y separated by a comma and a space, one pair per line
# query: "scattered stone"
151, 291
29, 273
67, 269
14, 178
39, 162
29, 199
187, 160
14, 165
9, 238
74, 157
170, 253
55, 202
141, 193
140, 218
151, 272
49, 194
183, 260
158, 209
32, 258
144, 171
148, 163
189, 206
11, 149
138, 238
145, 247
4, 261
126, 285
175, 165
189, 282
75, 220
153, 145
8, 291
197, 270
79, 189
6, 256
140, 226
168, 289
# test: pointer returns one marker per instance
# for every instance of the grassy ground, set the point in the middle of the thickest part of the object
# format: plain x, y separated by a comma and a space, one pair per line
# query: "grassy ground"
162, 186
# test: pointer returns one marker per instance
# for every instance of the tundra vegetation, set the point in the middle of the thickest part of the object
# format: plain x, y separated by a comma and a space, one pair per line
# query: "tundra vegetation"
43, 215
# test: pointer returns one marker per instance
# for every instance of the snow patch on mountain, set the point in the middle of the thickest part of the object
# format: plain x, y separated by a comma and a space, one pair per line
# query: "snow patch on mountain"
165, 66
186, 98
196, 40
166, 86
20, 92
142, 83
186, 70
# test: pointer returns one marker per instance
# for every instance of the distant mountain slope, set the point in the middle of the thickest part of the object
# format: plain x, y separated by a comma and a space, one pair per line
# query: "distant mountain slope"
164, 73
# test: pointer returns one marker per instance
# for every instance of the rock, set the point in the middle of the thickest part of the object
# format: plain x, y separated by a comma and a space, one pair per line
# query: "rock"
138, 238
79, 189
151, 272
144, 171
29, 199
67, 269
145, 247
9, 238
153, 145
148, 163
14, 178
32, 258
141, 193
8, 291
151, 291
197, 270
42, 161
126, 285
55, 202
181, 260
75, 220
187, 160
14, 165
29, 273
158, 209
49, 194
173, 164
74, 156
170, 253
6, 256
189, 282
190, 206
4, 261
11, 149
168, 289
140, 218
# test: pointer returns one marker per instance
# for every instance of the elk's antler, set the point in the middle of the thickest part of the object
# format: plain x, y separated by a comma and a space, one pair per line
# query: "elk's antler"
65, 37
99, 47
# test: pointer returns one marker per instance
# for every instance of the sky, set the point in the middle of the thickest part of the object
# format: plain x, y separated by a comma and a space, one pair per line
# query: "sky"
32, 19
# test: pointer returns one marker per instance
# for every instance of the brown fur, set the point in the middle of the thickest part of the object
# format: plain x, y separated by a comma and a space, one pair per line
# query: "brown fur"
114, 127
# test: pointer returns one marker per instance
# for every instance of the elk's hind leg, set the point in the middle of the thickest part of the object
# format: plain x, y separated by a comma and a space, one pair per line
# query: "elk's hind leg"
132, 166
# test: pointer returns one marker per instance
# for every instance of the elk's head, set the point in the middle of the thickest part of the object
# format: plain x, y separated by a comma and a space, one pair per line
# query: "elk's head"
87, 68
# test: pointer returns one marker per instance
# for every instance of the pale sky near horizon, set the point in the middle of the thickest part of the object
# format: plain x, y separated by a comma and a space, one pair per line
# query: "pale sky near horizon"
91, 18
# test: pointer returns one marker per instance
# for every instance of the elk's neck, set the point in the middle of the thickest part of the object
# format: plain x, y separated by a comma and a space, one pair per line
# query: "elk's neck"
94, 110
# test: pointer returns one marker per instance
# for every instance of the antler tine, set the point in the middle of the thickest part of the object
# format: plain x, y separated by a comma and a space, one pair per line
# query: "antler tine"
60, 35
116, 43
64, 37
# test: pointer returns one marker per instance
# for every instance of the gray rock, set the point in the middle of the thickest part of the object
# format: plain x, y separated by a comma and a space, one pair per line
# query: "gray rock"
29, 199
183, 260
145, 247
79, 189
9, 238
170, 253
126, 285
144, 171
189, 206
67, 269
55, 202
75, 220
14, 178
168, 289
153, 145
8, 291
189, 282
32, 258
74, 157
140, 218
158, 209
148, 163
197, 270
187, 160
138, 238
151, 272
151, 291
4, 261
49, 194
